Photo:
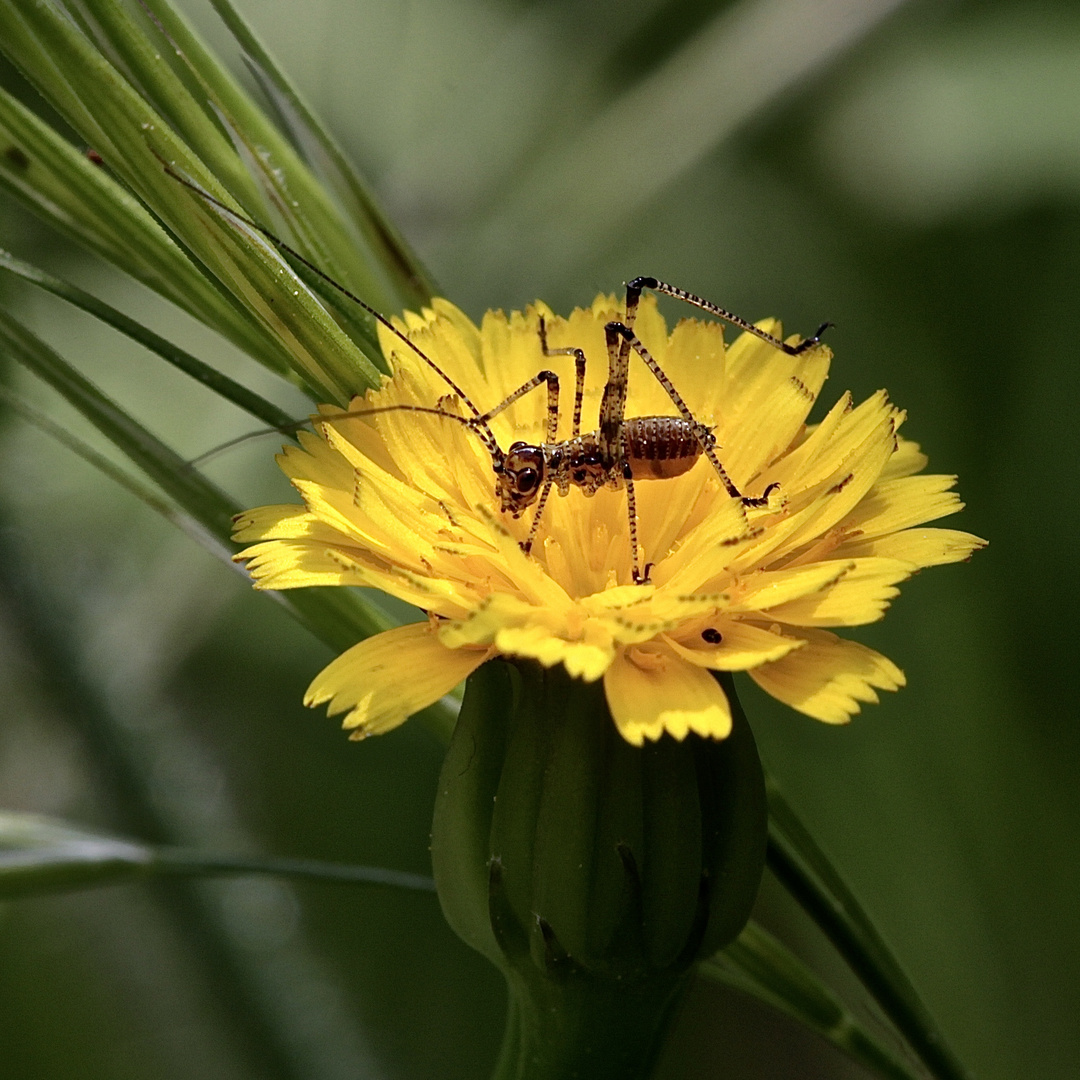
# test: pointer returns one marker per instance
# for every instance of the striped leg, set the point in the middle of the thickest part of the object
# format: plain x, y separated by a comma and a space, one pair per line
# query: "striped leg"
634, 287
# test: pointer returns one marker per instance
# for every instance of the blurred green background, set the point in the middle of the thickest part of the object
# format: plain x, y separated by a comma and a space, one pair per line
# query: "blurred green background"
909, 171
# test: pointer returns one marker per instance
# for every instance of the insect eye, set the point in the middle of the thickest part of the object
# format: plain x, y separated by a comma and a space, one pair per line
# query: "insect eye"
527, 480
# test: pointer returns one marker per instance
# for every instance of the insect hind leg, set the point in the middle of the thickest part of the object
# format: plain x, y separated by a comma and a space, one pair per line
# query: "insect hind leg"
617, 331
634, 289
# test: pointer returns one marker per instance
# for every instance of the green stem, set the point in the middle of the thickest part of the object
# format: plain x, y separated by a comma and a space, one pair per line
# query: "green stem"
803, 869
583, 1027
188, 862
190, 365
413, 286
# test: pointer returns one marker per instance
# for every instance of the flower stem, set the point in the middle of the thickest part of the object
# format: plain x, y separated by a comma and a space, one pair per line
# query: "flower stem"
583, 1027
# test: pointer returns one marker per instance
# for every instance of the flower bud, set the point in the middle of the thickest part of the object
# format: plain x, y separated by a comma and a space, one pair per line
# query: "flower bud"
591, 872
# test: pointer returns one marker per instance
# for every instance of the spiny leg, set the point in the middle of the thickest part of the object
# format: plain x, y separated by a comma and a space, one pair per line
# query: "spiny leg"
631, 511
527, 543
613, 401
633, 289
615, 331
540, 377
579, 375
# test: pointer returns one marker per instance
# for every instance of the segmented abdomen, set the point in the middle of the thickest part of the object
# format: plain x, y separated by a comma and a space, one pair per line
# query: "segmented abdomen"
660, 447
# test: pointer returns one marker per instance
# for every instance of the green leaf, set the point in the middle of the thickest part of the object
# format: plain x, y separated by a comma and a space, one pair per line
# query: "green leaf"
389, 249
40, 856
119, 476
275, 174
200, 371
337, 616
759, 965
218, 120
82, 201
135, 141
805, 871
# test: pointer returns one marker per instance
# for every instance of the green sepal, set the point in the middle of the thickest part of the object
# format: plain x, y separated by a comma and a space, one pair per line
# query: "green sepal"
740, 819
461, 828
593, 873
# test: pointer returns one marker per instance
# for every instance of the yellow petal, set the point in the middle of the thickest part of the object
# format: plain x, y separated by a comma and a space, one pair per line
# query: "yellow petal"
742, 646
696, 365
294, 564
828, 677
859, 596
651, 690
923, 547
896, 504
906, 460
386, 678
288, 522
771, 411
771, 588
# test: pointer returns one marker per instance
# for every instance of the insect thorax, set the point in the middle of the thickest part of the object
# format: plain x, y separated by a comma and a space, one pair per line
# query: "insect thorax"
654, 448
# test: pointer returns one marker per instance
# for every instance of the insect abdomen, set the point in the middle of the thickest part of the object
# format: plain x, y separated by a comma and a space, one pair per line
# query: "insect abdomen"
659, 447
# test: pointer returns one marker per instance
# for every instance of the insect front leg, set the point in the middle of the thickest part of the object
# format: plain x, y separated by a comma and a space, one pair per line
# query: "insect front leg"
579, 375
527, 543
541, 377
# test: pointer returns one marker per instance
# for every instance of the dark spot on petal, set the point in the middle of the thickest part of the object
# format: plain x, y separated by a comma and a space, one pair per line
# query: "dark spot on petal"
711, 635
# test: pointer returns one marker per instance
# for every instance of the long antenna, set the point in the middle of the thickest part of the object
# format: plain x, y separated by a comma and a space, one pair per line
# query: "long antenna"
290, 429
486, 435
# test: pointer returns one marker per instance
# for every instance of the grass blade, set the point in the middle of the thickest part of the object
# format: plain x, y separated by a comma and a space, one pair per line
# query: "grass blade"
339, 617
134, 140
201, 372
41, 856
804, 870
83, 202
759, 965
413, 286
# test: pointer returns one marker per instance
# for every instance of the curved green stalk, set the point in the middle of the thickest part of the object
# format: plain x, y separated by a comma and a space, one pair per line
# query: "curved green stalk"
803, 869
82, 201
134, 140
338, 617
192, 366
40, 855
759, 965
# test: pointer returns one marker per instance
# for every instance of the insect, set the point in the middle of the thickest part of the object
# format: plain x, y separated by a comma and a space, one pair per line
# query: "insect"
620, 452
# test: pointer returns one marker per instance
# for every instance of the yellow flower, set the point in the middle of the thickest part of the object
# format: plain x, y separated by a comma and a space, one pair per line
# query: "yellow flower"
405, 501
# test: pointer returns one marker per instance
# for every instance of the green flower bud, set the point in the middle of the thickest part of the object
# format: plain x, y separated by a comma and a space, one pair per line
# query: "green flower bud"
591, 872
